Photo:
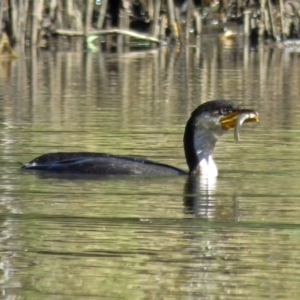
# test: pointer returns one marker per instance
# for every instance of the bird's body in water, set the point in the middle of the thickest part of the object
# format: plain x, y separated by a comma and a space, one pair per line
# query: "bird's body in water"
206, 125
99, 163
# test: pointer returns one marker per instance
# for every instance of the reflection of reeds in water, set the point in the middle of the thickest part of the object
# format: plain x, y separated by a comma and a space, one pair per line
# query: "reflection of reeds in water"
53, 85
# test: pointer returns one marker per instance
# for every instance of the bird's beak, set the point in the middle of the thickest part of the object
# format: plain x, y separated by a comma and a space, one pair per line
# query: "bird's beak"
230, 120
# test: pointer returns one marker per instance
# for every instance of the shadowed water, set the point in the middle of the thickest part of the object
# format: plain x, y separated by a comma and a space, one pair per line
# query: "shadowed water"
174, 237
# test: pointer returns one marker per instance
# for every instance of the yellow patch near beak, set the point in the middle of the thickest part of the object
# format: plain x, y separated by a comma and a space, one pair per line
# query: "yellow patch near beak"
230, 120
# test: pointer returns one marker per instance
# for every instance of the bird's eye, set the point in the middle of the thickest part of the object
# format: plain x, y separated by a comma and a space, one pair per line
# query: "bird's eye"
225, 110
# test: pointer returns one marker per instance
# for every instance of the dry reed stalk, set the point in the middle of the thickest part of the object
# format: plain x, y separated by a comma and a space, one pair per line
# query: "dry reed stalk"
266, 20
172, 22
1, 14
177, 23
198, 22
126, 24
102, 14
77, 15
239, 7
151, 9
123, 25
37, 15
52, 6
247, 16
23, 5
26, 7
188, 23
120, 38
59, 15
283, 33
262, 18
273, 28
88, 16
162, 27
155, 23
70, 14
14, 18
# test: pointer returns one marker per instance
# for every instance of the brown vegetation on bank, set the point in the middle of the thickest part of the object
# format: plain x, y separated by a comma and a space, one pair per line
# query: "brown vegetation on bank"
155, 21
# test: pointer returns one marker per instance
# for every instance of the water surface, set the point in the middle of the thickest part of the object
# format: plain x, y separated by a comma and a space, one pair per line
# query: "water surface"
237, 237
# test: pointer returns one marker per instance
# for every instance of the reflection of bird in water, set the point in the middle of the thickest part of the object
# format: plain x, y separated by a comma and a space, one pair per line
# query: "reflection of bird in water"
206, 125
199, 194
204, 198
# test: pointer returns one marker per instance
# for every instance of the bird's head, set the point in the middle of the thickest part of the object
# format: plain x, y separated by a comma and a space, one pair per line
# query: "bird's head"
208, 122
220, 114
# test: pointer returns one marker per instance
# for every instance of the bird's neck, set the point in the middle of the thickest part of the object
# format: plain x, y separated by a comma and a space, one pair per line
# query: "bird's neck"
199, 144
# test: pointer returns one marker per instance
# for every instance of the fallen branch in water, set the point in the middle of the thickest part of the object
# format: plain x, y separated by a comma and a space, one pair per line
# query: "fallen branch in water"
109, 31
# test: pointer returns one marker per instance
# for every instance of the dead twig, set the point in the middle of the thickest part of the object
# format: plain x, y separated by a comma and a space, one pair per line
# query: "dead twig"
109, 31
